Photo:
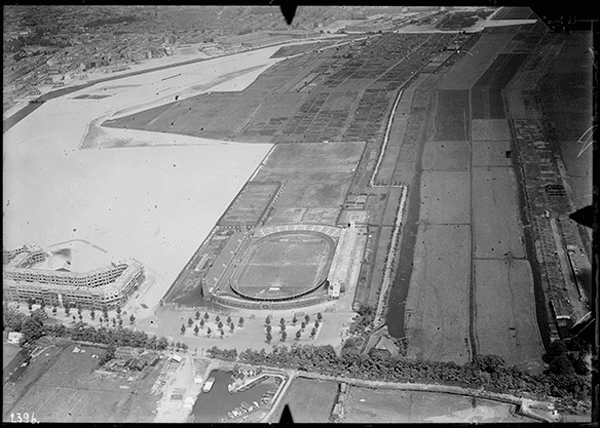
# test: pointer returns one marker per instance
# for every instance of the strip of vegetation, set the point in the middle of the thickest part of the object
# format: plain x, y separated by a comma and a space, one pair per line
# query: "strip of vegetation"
110, 21
36, 325
486, 372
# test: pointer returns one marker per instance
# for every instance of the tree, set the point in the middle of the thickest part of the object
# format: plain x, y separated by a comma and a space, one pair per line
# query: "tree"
32, 329
313, 333
228, 319
217, 318
118, 310
80, 317
317, 324
206, 316
220, 325
196, 330
282, 321
105, 312
241, 321
298, 334
303, 325
131, 319
283, 336
208, 331
182, 328
269, 329
231, 326
202, 323
222, 334
79, 309
197, 315
269, 337
319, 316
92, 314
294, 320
282, 326
121, 322
30, 303
54, 310
190, 322
67, 309
109, 355
268, 320
307, 318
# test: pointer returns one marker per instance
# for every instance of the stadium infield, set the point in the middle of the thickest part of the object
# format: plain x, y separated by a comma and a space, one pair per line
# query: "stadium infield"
284, 264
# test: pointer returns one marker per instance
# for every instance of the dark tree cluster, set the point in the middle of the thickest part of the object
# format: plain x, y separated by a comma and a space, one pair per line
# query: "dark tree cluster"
485, 371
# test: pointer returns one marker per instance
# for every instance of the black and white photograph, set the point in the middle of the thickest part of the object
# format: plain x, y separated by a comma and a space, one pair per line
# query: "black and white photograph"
365, 214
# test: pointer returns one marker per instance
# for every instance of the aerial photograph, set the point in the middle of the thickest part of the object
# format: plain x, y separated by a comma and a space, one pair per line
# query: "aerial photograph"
311, 214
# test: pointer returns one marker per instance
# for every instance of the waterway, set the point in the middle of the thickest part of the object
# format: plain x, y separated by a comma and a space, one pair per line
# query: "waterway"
214, 405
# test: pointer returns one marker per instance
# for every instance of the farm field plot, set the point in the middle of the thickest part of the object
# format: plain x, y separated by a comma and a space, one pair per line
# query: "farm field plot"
490, 129
63, 387
496, 222
314, 176
486, 98
491, 153
310, 401
446, 155
437, 306
445, 197
469, 69
366, 405
451, 121
505, 322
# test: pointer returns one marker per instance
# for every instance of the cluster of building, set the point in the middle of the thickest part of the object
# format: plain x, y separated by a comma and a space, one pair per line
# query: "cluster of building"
106, 287
559, 247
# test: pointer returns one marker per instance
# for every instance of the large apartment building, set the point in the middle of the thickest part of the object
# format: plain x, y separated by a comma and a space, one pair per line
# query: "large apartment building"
108, 286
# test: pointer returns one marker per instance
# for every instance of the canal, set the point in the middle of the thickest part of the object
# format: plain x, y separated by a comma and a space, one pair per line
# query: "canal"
214, 405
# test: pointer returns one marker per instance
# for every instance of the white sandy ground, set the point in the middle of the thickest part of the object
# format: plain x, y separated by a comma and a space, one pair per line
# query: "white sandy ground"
156, 204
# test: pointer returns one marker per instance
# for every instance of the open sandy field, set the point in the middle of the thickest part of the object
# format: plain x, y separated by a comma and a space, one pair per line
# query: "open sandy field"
496, 224
438, 297
445, 197
366, 406
508, 332
151, 203
310, 400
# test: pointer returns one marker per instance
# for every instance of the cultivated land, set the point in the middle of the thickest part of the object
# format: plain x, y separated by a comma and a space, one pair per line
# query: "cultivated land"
366, 405
469, 216
62, 386
437, 306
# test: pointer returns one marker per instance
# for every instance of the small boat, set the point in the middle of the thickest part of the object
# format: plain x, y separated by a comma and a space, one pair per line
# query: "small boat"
230, 415
230, 387
208, 385
245, 405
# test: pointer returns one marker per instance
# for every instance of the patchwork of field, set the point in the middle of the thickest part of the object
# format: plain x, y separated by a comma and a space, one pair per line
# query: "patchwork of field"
486, 97
496, 222
316, 178
452, 115
310, 400
62, 386
445, 197
437, 322
469, 69
506, 331
368, 406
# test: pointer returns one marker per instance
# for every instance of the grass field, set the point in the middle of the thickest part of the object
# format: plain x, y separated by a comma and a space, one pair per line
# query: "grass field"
490, 130
505, 322
310, 401
491, 153
315, 176
445, 197
367, 406
496, 225
451, 116
62, 386
446, 155
437, 306
285, 264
